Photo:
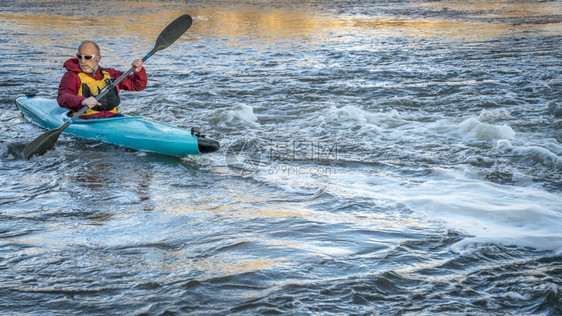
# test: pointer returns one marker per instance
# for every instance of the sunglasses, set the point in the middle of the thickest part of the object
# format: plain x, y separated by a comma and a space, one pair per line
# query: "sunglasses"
86, 57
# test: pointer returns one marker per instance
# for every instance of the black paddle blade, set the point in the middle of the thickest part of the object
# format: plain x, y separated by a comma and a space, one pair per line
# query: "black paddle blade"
42, 143
172, 32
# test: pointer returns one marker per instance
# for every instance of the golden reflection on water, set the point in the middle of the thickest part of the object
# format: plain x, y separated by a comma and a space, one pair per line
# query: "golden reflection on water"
241, 206
448, 28
224, 265
505, 7
486, 19
246, 208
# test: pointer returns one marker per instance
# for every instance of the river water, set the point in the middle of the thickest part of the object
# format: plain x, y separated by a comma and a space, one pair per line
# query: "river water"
378, 157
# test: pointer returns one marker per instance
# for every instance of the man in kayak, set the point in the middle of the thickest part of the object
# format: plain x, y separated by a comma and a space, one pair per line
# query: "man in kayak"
84, 80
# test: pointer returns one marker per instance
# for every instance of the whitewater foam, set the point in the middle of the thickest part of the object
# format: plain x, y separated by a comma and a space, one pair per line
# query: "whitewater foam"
355, 118
474, 128
547, 155
241, 114
486, 211
491, 116
490, 212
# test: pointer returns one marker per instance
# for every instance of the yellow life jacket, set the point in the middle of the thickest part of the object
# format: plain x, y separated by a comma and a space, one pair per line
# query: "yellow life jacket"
95, 86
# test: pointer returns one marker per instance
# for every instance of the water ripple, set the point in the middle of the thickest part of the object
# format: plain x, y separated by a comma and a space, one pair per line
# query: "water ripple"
377, 158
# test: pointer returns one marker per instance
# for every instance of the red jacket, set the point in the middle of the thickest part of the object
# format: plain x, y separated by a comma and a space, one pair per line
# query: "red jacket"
70, 83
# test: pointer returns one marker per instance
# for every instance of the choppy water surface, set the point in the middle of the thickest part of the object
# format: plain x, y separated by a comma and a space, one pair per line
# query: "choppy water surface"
378, 158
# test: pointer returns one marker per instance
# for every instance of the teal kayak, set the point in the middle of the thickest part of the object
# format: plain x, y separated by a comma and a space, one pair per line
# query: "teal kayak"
133, 132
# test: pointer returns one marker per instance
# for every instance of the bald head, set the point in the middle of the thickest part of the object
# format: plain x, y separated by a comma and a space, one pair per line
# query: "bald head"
89, 45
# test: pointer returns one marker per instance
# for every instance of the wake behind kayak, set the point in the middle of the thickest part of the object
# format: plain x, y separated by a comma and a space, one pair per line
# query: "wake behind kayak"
133, 132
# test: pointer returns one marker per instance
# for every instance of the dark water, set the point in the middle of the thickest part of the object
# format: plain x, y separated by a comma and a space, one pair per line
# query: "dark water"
397, 157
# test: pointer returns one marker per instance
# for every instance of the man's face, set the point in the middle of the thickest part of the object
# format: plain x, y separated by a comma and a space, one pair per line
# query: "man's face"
91, 65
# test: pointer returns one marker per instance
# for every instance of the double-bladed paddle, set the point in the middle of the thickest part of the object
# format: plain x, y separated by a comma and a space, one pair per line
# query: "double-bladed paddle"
167, 37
